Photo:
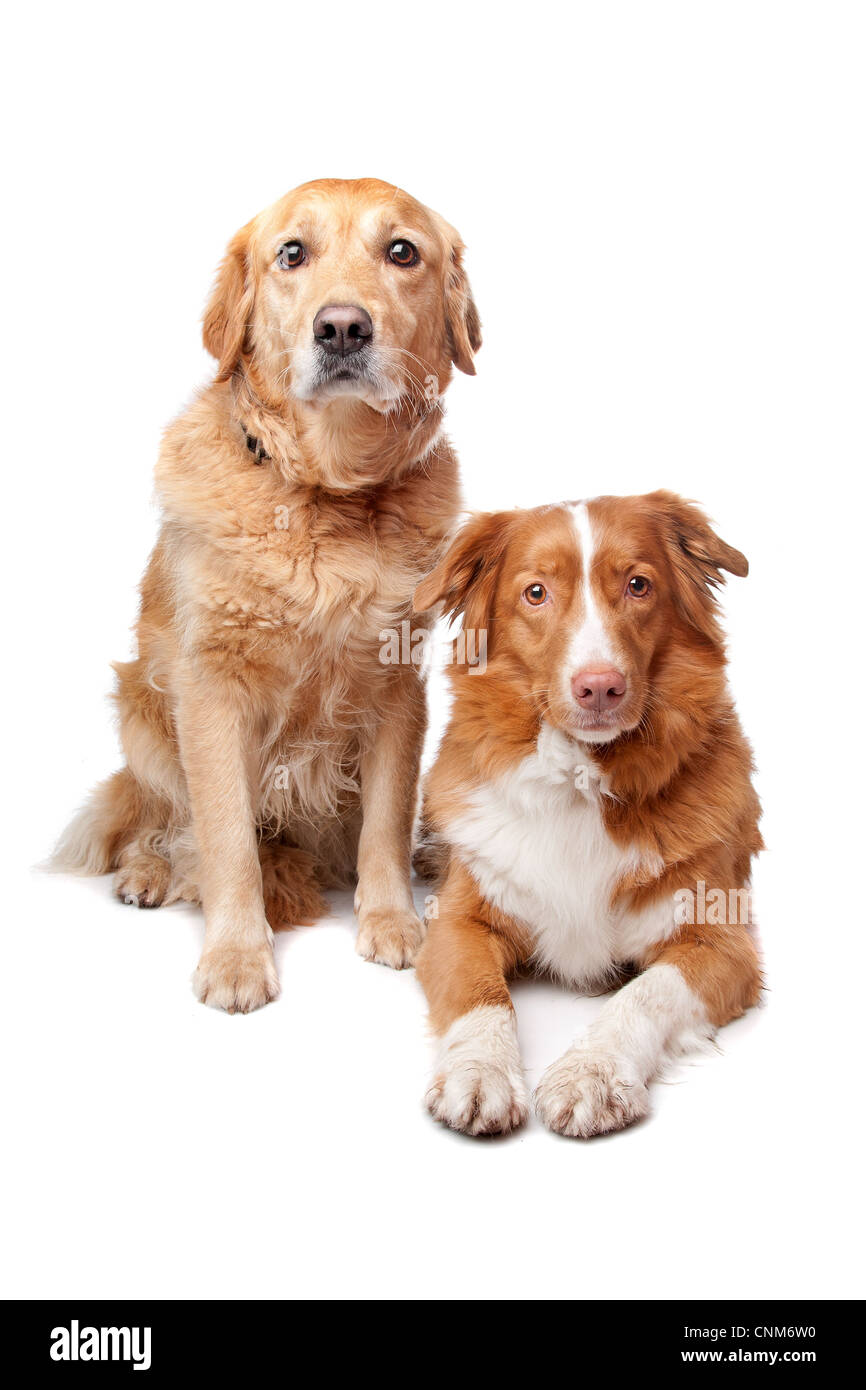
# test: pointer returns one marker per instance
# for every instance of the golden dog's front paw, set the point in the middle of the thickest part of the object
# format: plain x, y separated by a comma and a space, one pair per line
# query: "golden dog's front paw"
389, 936
583, 1094
237, 980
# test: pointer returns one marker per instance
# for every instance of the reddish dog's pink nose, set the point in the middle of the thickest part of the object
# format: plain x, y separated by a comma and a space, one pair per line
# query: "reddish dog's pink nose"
598, 689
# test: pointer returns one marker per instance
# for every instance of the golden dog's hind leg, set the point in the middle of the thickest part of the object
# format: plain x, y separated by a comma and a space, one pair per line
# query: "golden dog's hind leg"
143, 877
290, 891
125, 826
112, 817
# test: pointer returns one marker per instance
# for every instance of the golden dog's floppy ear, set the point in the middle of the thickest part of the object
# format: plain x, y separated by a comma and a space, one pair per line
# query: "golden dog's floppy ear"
461, 315
465, 578
226, 317
698, 556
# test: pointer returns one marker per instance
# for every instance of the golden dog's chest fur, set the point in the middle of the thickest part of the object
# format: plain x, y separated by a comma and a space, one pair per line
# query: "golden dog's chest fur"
249, 554
287, 590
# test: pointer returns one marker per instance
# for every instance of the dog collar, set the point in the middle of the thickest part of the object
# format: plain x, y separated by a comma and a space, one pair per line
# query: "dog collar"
255, 446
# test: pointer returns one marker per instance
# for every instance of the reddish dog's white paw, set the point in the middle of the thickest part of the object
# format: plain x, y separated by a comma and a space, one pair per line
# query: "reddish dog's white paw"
479, 1087
584, 1093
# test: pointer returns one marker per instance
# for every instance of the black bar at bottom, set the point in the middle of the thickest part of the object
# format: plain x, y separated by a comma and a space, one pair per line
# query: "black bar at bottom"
396, 1341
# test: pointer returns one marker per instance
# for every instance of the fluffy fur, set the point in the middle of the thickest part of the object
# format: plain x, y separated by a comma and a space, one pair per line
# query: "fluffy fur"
570, 838
268, 750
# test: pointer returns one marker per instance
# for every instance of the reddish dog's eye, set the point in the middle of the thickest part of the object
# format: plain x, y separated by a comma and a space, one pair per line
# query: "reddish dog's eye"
402, 253
291, 255
535, 594
639, 587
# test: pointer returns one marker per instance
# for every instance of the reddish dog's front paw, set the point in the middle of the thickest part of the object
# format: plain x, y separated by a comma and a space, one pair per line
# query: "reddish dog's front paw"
479, 1087
583, 1094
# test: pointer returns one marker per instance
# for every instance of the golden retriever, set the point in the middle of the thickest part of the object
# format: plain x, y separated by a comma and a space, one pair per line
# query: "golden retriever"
305, 493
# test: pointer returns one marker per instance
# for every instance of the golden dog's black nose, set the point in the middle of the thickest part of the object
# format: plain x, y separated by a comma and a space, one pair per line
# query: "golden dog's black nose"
342, 328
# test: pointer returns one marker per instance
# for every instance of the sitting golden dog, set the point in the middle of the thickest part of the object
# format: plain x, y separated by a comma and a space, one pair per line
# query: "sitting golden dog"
305, 492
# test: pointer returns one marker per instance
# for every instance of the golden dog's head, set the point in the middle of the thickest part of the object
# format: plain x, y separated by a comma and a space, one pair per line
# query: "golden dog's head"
345, 287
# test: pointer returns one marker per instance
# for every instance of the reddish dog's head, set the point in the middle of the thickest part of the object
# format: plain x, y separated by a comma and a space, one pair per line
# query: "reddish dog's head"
595, 611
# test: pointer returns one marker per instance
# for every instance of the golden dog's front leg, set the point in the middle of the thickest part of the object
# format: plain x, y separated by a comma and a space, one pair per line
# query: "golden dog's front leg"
236, 971
389, 930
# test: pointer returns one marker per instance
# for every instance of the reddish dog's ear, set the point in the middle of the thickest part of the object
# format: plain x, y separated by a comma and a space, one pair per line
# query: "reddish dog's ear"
227, 315
698, 556
461, 316
465, 578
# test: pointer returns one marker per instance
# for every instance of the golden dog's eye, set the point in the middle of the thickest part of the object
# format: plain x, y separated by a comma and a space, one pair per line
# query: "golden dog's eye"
402, 253
639, 586
535, 594
291, 255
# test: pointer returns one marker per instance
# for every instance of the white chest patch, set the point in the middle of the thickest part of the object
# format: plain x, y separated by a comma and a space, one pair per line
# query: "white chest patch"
535, 842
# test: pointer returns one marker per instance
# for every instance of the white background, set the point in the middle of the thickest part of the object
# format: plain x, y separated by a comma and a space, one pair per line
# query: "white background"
664, 211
